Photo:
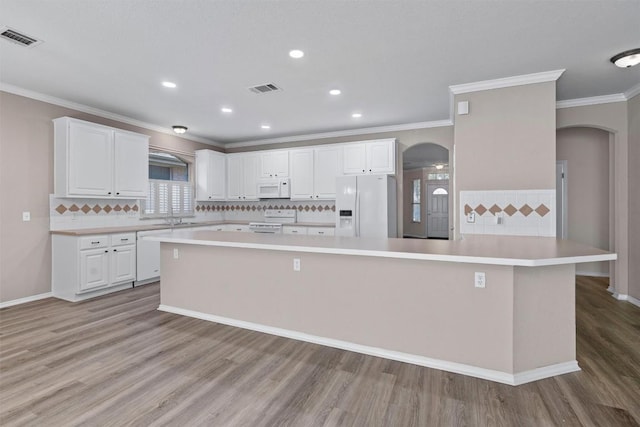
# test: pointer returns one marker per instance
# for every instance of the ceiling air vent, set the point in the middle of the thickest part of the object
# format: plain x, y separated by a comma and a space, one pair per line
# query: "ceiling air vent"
265, 88
18, 38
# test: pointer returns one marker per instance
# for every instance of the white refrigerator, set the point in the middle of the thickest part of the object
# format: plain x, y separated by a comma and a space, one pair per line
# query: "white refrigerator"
366, 206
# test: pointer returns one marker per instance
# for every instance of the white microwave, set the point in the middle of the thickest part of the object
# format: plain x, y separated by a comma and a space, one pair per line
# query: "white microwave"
274, 188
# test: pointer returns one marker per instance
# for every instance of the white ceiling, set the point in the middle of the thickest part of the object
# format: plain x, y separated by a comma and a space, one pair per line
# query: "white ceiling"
393, 60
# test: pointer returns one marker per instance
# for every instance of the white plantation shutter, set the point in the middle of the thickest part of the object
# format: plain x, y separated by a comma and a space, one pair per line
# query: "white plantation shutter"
168, 198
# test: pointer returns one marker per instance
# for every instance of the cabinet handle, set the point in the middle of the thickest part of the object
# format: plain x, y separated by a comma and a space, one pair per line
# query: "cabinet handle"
369, 170
320, 232
106, 252
94, 243
118, 193
109, 192
363, 170
115, 250
294, 231
124, 240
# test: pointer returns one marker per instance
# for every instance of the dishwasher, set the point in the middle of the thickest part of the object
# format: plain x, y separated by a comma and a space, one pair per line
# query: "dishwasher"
148, 257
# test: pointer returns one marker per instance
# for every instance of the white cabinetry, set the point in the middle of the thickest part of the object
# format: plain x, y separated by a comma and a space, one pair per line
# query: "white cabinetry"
370, 157
88, 266
92, 160
211, 168
274, 164
321, 231
242, 176
314, 171
292, 229
311, 231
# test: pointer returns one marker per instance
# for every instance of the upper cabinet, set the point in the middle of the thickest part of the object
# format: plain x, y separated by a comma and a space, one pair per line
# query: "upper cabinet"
274, 164
211, 175
314, 172
370, 157
242, 176
92, 160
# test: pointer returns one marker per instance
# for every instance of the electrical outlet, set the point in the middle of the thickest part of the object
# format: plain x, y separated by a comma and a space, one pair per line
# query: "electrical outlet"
296, 264
471, 217
176, 253
26, 216
480, 280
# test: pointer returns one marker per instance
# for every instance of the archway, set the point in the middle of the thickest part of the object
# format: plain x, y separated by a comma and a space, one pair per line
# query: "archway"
426, 188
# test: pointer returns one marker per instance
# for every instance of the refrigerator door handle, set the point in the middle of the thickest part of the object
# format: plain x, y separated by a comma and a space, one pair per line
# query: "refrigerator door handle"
357, 215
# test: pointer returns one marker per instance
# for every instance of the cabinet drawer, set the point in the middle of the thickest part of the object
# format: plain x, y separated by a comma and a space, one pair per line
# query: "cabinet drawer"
91, 242
321, 231
294, 230
236, 227
123, 239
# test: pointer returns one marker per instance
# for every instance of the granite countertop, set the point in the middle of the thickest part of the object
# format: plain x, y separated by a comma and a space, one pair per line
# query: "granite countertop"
496, 250
147, 227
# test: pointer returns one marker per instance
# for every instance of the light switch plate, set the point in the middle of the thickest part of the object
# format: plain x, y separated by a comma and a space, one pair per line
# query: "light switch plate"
26, 216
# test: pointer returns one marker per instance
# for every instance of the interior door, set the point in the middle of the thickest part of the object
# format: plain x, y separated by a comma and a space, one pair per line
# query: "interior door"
438, 211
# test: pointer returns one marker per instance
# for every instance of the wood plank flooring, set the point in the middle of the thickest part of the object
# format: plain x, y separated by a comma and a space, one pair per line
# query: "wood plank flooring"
117, 361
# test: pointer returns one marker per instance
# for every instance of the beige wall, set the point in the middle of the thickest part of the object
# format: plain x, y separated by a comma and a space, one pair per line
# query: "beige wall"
507, 141
415, 229
611, 117
586, 151
634, 196
26, 180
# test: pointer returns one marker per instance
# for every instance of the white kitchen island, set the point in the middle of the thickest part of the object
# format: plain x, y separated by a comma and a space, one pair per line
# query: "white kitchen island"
404, 299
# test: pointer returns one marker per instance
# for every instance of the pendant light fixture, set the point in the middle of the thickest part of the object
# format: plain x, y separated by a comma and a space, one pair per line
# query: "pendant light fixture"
179, 129
627, 59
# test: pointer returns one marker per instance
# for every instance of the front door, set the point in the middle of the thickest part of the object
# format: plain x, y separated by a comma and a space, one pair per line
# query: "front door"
438, 211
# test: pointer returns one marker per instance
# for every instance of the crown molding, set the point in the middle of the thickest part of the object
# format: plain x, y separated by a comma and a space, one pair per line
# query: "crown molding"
635, 90
546, 76
342, 133
16, 90
593, 100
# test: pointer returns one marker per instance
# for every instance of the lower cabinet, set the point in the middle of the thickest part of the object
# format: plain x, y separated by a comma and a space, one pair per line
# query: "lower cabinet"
88, 266
308, 231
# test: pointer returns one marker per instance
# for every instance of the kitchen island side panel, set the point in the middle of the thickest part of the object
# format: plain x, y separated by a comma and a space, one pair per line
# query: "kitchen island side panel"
544, 316
425, 308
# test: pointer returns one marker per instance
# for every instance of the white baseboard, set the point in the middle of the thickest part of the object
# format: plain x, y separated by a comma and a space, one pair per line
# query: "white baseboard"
625, 297
591, 273
458, 368
25, 299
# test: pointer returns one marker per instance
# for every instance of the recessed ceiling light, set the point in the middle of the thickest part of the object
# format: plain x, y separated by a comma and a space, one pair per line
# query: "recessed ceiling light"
171, 85
265, 127
627, 59
226, 110
356, 115
335, 91
179, 129
297, 54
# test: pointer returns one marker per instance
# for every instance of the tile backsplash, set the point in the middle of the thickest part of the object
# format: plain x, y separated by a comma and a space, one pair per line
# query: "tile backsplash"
512, 212
67, 213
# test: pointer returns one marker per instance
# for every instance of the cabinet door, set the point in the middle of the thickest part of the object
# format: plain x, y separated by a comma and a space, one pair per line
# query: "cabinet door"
280, 164
210, 175
302, 174
123, 264
250, 177
90, 166
131, 164
94, 269
327, 166
235, 169
355, 158
381, 157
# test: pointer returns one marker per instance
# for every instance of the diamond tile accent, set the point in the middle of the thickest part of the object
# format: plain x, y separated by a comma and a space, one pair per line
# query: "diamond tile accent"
480, 209
135, 208
327, 208
542, 210
116, 208
74, 208
467, 210
300, 208
259, 208
61, 209
85, 209
126, 208
320, 208
510, 210
526, 210
96, 208
108, 209
313, 208
253, 208
198, 208
333, 208
306, 208
495, 209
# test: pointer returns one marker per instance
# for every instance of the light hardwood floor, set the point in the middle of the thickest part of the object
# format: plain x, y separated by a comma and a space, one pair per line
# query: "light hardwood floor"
117, 361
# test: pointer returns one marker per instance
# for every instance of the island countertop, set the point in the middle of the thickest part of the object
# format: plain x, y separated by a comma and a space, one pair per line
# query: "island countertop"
495, 250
